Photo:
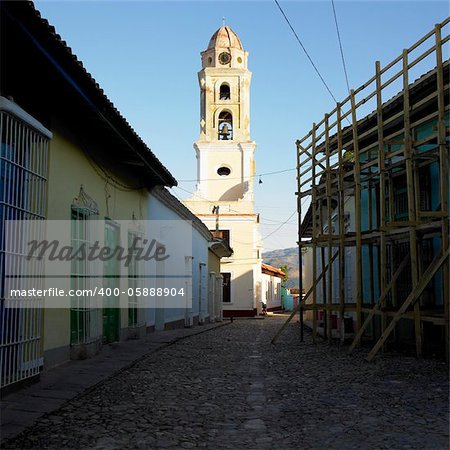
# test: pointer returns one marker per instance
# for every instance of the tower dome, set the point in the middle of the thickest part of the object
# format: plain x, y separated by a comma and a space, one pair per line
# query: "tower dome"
225, 37
224, 50
226, 173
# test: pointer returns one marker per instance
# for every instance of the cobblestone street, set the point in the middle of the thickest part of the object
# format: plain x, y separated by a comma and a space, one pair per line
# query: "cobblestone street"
229, 388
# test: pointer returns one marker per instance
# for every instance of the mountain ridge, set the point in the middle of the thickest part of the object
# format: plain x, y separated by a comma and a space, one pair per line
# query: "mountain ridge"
288, 256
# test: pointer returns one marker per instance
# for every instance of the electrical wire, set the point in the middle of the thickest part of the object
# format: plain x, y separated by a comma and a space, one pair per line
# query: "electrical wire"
192, 193
204, 198
238, 178
304, 49
262, 238
100, 170
286, 222
277, 222
340, 46
234, 210
181, 200
280, 226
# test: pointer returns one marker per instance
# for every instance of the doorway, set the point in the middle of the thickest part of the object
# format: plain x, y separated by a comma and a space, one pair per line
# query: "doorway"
111, 273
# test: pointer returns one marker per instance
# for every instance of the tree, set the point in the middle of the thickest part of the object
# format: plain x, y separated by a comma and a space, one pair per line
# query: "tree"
284, 269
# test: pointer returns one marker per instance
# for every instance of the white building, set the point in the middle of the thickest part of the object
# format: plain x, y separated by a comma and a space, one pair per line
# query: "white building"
226, 169
271, 287
201, 262
88, 198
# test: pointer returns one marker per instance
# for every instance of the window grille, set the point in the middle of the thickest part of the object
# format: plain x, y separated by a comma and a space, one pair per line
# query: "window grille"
135, 318
23, 182
226, 287
400, 198
85, 320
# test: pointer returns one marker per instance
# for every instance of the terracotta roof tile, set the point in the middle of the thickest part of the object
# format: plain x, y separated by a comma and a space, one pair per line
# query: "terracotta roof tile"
42, 23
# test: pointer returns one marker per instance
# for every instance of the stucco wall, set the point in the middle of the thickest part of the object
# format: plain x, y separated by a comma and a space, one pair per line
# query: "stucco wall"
69, 168
157, 210
244, 265
271, 291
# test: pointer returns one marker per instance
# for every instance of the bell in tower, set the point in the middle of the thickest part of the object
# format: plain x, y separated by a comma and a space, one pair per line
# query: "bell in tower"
225, 126
224, 139
226, 168
225, 89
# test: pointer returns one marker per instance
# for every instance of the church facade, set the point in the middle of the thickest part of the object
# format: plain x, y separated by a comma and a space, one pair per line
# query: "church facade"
226, 170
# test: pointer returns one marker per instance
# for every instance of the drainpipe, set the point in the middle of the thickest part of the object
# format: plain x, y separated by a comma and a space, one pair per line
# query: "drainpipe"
200, 266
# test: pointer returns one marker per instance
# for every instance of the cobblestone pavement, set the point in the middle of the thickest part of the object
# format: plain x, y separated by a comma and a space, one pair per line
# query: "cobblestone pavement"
229, 388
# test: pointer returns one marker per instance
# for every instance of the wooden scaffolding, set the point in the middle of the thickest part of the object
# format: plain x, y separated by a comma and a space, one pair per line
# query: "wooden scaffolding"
373, 179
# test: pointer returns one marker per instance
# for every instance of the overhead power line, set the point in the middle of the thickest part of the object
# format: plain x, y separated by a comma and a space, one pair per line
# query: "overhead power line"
201, 197
231, 209
280, 226
304, 49
264, 237
340, 46
283, 223
239, 178
275, 222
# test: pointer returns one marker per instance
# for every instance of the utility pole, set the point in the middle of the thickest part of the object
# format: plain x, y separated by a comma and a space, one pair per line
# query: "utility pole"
300, 248
216, 212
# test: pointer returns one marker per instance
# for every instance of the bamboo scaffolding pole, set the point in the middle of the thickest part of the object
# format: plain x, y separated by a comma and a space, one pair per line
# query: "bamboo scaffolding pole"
392, 118
324, 280
302, 303
389, 158
412, 297
329, 227
379, 303
411, 191
382, 189
409, 315
299, 243
358, 259
443, 182
341, 223
314, 231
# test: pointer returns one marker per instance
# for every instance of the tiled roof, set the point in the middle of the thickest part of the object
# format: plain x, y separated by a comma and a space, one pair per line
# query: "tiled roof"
165, 196
225, 37
266, 268
26, 11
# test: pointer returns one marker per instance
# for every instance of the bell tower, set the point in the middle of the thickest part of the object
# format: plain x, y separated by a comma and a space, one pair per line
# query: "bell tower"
225, 151
226, 170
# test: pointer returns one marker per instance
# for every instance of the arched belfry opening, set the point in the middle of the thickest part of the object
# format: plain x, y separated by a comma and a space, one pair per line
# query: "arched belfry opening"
225, 123
224, 93
225, 155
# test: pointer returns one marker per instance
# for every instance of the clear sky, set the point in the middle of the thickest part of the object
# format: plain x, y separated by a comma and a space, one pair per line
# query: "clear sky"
146, 55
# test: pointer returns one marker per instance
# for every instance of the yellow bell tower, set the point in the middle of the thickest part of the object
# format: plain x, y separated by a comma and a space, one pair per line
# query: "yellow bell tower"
226, 169
224, 149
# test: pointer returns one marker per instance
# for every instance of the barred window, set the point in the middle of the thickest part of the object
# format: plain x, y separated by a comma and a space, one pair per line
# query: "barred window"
23, 183
85, 320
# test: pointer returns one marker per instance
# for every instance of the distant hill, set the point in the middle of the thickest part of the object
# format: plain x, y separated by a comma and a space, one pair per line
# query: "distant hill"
288, 256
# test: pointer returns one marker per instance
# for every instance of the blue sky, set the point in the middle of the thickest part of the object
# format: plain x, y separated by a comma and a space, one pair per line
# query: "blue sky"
146, 55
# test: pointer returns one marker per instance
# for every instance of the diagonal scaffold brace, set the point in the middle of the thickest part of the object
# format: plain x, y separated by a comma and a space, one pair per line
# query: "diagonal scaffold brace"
411, 299
303, 301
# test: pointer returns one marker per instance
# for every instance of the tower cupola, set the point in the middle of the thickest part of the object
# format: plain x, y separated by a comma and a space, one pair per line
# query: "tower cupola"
224, 50
225, 151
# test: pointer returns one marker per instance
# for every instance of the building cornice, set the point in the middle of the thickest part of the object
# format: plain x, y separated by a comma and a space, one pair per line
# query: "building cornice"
183, 212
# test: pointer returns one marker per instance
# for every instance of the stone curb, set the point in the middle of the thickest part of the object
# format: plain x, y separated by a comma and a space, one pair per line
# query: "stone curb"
139, 359
15, 429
